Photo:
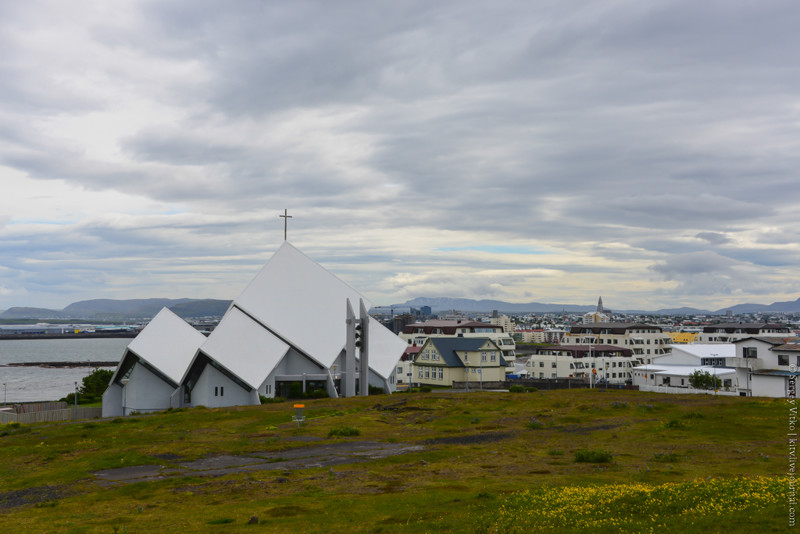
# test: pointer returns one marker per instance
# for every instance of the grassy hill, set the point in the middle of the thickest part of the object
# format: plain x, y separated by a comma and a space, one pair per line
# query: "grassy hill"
584, 460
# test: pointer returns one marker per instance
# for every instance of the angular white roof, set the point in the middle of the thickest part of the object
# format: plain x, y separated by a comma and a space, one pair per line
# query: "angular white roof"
167, 343
300, 301
244, 347
707, 350
385, 348
684, 370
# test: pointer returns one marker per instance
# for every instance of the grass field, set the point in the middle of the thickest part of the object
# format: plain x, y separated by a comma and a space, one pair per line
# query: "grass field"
556, 461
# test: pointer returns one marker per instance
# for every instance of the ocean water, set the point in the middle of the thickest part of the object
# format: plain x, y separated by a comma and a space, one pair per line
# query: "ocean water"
29, 384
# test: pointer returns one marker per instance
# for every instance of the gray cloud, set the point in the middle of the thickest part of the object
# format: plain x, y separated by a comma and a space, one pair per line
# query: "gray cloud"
618, 135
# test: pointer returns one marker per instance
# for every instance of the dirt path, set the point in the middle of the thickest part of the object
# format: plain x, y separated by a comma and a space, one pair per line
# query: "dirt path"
300, 458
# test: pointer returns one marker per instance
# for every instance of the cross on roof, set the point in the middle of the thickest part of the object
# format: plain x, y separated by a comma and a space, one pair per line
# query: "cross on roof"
285, 218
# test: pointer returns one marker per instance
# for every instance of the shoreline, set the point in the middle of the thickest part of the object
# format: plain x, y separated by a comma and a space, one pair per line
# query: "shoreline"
86, 335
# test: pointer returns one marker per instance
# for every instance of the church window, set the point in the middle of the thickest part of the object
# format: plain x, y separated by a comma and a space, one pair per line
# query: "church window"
221, 391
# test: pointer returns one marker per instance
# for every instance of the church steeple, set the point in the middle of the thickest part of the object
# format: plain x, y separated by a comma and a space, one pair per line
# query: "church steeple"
600, 305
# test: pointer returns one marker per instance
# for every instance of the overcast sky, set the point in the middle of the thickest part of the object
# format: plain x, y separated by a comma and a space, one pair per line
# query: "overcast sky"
549, 151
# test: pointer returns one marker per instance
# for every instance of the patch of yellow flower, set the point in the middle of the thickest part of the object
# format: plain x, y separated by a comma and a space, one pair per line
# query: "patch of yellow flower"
620, 506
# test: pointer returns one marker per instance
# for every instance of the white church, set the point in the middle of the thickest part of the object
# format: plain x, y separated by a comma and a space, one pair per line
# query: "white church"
293, 326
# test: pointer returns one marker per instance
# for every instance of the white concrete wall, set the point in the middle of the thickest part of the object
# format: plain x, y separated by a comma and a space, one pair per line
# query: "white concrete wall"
145, 392
112, 401
228, 392
768, 386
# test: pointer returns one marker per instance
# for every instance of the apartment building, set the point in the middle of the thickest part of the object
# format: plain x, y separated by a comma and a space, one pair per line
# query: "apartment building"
645, 341
730, 332
587, 362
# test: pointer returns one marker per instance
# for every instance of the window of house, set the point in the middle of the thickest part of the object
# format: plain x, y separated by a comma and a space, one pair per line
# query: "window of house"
494, 356
420, 372
553, 365
783, 359
749, 352
399, 370
216, 393
541, 375
541, 364
483, 356
441, 373
427, 372
221, 391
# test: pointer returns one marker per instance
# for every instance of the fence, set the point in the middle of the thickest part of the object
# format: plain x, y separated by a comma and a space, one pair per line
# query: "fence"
49, 416
686, 391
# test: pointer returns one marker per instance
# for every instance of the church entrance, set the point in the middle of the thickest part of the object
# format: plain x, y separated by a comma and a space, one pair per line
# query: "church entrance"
293, 389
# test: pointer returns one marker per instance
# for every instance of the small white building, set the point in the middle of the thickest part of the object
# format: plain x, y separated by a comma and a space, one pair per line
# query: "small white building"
654, 375
770, 365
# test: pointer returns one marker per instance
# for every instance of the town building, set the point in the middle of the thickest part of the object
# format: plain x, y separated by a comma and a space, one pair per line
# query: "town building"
444, 360
505, 321
600, 315
730, 332
418, 333
590, 363
766, 366
644, 340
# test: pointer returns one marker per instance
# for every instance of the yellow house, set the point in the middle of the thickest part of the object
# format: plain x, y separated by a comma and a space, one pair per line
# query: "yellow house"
683, 337
444, 360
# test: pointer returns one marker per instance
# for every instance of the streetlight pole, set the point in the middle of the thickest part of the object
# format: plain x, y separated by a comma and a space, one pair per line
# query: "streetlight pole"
466, 368
480, 372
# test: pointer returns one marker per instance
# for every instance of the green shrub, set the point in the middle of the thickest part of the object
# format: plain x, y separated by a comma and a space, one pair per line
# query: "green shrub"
425, 389
593, 456
531, 389
343, 431
666, 457
675, 424
555, 452
535, 424
271, 400
516, 388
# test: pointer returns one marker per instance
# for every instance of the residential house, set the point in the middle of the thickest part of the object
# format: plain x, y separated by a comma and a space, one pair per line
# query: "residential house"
444, 360
418, 333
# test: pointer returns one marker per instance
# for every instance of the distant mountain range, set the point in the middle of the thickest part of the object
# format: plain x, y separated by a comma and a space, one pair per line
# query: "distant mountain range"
108, 309
443, 304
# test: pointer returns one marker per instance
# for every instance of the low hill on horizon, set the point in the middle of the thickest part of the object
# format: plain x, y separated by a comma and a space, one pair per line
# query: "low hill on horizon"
111, 309
122, 309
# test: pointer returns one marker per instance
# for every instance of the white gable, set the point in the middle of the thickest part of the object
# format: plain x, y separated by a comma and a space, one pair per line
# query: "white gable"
245, 348
385, 348
707, 350
168, 343
300, 301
